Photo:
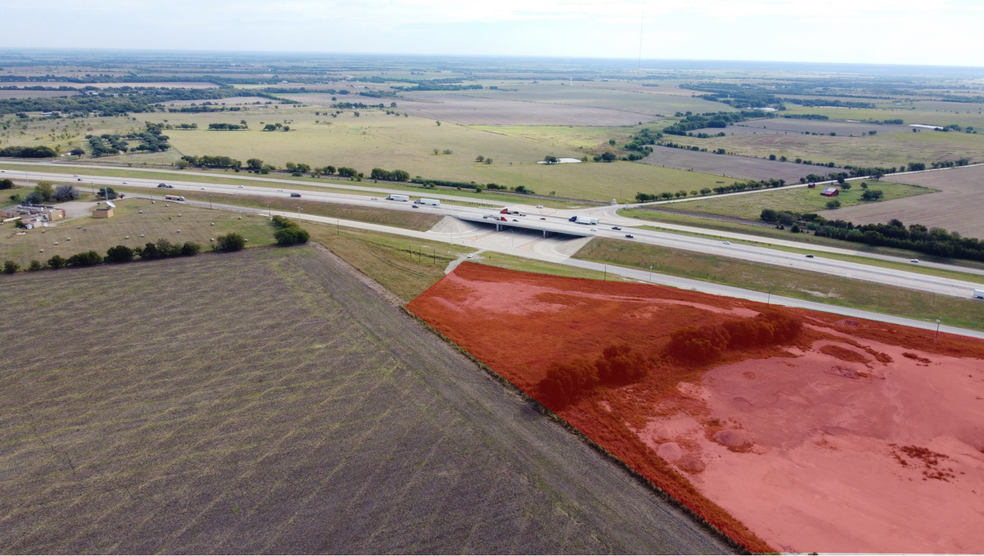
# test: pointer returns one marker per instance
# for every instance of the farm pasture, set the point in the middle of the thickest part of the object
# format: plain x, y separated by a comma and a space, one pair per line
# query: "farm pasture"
61, 133
159, 220
956, 207
790, 125
799, 199
644, 100
735, 167
485, 111
375, 139
921, 112
268, 401
883, 149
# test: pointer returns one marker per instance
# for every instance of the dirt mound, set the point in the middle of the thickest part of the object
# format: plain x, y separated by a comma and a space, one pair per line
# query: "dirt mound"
670, 451
732, 438
843, 354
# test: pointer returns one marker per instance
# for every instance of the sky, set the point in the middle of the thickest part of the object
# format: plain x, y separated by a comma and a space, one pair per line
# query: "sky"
923, 32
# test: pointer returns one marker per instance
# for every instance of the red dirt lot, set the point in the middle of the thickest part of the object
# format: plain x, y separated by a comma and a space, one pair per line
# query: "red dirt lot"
852, 436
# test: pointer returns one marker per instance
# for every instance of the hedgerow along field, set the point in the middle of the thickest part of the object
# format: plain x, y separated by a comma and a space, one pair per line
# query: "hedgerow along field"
272, 402
799, 199
136, 223
578, 347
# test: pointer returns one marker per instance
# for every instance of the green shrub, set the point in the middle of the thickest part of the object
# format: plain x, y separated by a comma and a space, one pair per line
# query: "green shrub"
119, 254
10, 267
56, 262
229, 243
291, 236
190, 249
89, 258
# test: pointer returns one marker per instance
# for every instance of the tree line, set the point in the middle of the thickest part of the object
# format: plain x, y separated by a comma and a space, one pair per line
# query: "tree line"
836, 103
737, 186
736, 95
395, 175
119, 101
28, 152
693, 121
915, 237
707, 343
227, 127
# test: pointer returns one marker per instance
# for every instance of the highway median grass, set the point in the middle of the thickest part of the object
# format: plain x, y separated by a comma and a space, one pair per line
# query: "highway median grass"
798, 284
397, 218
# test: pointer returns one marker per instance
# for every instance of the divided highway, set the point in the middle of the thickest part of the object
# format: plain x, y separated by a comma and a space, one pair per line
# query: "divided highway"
554, 220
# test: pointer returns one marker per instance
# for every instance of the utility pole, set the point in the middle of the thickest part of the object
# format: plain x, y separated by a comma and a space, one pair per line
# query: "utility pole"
650, 274
937, 329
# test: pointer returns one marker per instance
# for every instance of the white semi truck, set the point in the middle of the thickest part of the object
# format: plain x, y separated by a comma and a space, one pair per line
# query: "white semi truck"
978, 294
584, 220
395, 197
430, 202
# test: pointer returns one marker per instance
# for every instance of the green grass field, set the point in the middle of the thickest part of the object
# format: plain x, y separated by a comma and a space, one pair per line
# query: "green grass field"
799, 284
800, 199
376, 140
132, 228
405, 266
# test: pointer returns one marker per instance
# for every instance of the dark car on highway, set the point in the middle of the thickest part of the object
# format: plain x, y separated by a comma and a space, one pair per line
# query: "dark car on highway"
630, 236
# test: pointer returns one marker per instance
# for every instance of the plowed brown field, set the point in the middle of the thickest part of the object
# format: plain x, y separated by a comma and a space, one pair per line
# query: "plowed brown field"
956, 207
810, 446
